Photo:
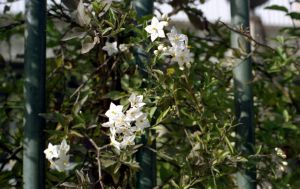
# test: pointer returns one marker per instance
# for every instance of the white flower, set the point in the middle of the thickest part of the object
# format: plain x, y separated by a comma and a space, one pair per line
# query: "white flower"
123, 47
133, 113
108, 124
111, 48
142, 122
181, 56
58, 157
62, 163
122, 121
64, 147
114, 112
136, 101
115, 143
52, 151
113, 140
156, 29
177, 40
127, 140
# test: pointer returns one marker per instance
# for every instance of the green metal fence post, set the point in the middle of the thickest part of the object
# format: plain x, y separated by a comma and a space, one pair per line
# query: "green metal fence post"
34, 92
146, 177
144, 7
246, 177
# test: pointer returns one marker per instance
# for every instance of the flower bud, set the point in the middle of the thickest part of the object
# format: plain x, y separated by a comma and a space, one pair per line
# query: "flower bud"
160, 47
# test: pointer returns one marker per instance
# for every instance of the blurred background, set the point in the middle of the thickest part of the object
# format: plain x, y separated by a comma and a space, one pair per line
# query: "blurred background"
263, 21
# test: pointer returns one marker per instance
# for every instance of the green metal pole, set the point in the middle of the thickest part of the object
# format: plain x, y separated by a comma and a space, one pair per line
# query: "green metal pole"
146, 177
143, 7
246, 177
34, 92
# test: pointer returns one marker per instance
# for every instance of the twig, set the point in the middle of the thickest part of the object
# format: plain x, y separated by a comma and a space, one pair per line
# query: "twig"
98, 161
84, 83
12, 25
247, 35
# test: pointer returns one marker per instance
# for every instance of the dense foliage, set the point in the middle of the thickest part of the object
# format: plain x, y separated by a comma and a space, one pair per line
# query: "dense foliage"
102, 54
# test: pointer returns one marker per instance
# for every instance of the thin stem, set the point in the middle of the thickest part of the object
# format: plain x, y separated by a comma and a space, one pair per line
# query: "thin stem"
98, 161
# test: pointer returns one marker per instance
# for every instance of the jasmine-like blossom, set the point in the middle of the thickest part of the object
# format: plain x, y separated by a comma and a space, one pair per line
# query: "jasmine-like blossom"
58, 157
111, 48
156, 29
177, 40
179, 49
122, 133
181, 56
52, 151
127, 141
114, 112
136, 101
142, 122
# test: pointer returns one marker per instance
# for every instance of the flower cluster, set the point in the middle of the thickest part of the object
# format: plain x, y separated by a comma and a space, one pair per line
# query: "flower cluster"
58, 157
179, 43
122, 133
179, 48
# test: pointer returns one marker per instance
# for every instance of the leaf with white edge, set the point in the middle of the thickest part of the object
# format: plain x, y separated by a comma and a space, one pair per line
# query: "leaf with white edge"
107, 162
152, 111
69, 184
75, 133
162, 115
106, 30
81, 16
106, 6
115, 95
74, 33
77, 106
88, 44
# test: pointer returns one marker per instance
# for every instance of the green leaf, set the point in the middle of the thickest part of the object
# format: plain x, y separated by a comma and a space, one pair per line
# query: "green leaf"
77, 107
278, 8
229, 145
294, 15
152, 111
115, 95
107, 162
162, 115
106, 30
